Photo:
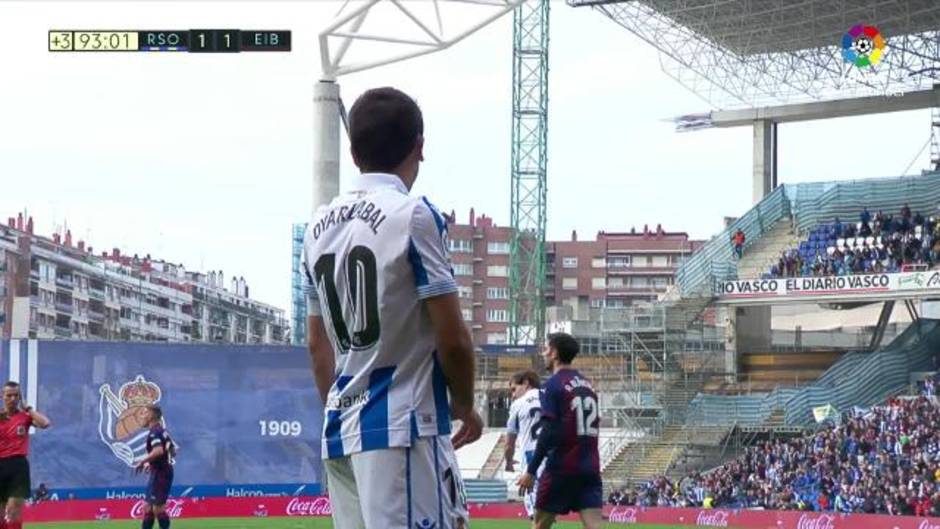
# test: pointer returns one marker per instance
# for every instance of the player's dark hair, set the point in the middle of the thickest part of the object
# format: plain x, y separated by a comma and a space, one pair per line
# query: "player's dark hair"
156, 410
529, 377
11, 384
566, 346
384, 126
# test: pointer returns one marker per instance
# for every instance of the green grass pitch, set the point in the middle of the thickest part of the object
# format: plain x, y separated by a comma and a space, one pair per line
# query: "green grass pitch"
309, 523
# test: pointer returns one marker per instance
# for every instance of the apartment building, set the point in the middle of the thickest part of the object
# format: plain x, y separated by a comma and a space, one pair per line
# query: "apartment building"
479, 251
615, 269
75, 294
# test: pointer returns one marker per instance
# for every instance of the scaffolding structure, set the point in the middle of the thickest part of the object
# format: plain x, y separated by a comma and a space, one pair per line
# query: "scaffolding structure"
647, 362
647, 350
298, 302
935, 139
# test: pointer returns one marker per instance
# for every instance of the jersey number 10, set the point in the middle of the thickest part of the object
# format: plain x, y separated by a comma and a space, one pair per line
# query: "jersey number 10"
585, 412
363, 296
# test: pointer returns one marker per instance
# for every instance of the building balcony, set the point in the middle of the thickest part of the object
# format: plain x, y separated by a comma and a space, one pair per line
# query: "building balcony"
64, 307
627, 291
43, 331
162, 311
96, 294
643, 270
63, 332
65, 281
95, 317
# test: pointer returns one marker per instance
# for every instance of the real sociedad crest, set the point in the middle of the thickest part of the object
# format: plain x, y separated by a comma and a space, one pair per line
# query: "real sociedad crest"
121, 420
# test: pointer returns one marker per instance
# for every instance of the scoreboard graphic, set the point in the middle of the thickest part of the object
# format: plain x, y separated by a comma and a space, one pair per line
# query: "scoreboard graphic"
191, 41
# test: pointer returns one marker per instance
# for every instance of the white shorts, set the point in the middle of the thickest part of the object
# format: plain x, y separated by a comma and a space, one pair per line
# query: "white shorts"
398, 488
528, 501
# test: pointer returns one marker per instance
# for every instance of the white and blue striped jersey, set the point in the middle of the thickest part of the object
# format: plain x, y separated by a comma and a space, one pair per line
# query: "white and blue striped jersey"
371, 257
524, 415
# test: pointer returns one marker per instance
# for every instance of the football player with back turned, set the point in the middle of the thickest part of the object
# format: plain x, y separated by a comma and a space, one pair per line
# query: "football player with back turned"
571, 480
392, 356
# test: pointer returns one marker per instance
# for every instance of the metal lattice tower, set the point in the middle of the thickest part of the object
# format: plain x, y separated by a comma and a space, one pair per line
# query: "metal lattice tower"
935, 139
298, 301
529, 161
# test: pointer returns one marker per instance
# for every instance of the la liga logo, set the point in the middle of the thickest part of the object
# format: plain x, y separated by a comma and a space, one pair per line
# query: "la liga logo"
862, 46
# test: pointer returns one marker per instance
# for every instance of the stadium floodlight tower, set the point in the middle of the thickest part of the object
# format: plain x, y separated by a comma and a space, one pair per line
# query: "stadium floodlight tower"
765, 62
388, 31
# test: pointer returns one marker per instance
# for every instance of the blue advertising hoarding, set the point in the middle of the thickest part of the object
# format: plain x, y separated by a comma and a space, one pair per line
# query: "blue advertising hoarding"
246, 419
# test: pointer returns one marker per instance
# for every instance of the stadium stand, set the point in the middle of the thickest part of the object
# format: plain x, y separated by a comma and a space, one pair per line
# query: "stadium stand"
877, 243
802, 207
885, 459
856, 379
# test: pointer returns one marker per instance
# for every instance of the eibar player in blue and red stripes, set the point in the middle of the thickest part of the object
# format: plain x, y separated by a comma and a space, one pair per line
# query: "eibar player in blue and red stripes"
571, 480
158, 461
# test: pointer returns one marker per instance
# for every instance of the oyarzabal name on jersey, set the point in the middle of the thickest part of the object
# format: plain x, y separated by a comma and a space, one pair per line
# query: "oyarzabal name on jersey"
363, 210
341, 403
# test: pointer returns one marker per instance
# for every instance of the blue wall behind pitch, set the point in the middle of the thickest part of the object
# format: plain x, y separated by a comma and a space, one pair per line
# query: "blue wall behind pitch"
214, 400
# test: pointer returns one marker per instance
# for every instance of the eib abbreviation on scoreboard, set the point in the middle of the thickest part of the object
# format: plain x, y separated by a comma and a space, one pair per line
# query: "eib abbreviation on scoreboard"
192, 40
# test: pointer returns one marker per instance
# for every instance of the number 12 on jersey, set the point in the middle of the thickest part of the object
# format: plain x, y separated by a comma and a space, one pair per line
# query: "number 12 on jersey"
585, 412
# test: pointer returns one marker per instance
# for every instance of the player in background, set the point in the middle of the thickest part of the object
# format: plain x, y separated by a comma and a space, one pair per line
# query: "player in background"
15, 421
571, 480
160, 449
522, 426
386, 335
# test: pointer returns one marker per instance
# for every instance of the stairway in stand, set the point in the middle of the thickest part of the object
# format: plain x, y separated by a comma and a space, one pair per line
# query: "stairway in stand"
766, 251
647, 458
494, 463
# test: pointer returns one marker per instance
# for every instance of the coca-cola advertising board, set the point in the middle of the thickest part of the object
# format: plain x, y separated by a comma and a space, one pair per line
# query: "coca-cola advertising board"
753, 519
318, 506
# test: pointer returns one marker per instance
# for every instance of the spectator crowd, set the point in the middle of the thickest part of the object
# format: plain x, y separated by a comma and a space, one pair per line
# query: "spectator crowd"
883, 460
877, 243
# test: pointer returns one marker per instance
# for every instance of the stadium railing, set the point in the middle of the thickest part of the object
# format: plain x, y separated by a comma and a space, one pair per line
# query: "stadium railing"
715, 261
857, 379
742, 410
865, 379
486, 490
816, 203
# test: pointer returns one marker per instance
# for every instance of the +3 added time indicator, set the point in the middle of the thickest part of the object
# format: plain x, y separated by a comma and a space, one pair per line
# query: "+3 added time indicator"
93, 41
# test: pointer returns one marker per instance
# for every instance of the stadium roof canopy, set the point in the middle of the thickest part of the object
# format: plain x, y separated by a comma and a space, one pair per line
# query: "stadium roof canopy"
751, 52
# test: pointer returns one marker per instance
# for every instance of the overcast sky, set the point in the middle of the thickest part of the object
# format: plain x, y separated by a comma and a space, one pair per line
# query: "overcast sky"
206, 159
